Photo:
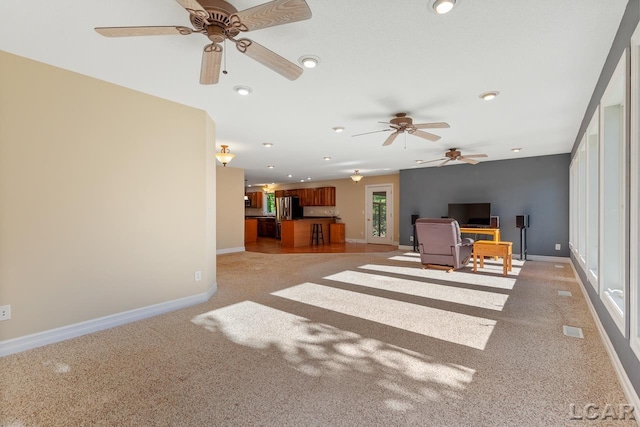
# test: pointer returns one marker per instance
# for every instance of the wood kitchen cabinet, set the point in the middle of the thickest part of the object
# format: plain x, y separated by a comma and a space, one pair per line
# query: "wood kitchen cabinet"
321, 196
255, 200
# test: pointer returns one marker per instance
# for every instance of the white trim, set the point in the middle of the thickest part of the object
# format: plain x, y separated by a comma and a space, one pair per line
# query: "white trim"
634, 232
623, 378
27, 342
355, 240
405, 247
619, 317
368, 223
230, 250
544, 258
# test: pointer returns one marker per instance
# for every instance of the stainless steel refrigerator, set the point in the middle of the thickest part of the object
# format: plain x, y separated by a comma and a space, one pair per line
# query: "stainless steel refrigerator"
287, 208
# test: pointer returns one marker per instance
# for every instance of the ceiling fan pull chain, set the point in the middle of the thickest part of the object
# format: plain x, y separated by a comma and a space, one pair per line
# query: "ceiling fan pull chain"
224, 51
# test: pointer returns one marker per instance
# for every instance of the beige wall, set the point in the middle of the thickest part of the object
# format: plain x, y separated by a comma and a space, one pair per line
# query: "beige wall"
350, 202
107, 198
230, 210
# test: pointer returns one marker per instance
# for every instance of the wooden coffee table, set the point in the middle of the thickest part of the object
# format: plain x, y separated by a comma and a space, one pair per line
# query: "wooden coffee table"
483, 248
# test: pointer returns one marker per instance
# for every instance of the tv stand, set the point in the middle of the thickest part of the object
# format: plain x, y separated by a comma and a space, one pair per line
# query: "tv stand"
495, 232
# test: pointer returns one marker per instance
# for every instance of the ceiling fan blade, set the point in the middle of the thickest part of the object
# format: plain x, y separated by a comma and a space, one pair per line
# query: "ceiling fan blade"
468, 160
375, 131
211, 61
391, 138
268, 58
143, 31
431, 161
444, 163
437, 125
276, 12
194, 8
425, 135
475, 155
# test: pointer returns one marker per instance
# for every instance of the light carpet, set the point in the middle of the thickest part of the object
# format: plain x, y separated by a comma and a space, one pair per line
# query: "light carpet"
331, 339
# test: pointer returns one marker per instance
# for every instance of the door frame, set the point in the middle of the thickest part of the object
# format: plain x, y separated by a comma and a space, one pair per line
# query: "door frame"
368, 217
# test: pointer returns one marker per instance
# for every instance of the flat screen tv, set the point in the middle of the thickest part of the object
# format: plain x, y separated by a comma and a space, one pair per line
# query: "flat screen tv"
471, 214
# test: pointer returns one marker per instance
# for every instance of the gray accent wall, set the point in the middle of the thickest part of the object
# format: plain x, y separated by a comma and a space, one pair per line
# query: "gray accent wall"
536, 186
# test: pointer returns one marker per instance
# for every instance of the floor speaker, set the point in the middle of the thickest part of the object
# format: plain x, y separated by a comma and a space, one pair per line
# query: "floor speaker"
522, 221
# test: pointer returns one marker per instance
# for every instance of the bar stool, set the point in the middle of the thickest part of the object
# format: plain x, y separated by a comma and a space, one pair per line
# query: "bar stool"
316, 234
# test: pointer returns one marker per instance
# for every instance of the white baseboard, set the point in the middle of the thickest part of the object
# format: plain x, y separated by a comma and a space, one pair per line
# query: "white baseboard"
564, 260
230, 250
27, 342
627, 387
355, 241
405, 247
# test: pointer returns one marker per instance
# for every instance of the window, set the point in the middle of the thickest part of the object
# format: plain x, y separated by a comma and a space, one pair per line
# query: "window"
271, 203
593, 187
613, 195
582, 198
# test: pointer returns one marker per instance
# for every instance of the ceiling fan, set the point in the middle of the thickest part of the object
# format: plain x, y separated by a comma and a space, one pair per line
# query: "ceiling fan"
455, 154
401, 123
220, 21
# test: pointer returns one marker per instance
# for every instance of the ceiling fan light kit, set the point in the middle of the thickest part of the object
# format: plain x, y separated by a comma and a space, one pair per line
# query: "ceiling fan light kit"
220, 21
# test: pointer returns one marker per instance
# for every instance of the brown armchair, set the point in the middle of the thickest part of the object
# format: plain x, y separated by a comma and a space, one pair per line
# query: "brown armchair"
440, 243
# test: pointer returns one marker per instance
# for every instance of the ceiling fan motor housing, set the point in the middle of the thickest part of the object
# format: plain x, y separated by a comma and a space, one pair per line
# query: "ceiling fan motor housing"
219, 24
402, 120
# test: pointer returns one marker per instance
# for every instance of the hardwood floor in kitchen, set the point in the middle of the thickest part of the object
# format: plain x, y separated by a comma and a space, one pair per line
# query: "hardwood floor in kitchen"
267, 245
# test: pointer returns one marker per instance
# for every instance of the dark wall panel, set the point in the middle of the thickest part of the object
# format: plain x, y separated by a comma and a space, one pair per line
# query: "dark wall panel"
537, 186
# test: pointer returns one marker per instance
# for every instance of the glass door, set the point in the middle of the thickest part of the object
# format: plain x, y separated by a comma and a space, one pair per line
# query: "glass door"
379, 214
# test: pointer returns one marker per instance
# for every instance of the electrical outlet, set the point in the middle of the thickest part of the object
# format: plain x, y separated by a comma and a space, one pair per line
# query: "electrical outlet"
557, 246
411, 238
198, 276
5, 312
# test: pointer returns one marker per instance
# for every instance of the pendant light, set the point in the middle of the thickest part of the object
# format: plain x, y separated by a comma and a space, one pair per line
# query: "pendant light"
356, 177
224, 156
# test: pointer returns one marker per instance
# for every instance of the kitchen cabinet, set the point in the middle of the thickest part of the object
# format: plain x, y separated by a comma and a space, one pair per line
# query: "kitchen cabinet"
250, 230
266, 227
255, 200
321, 196
336, 231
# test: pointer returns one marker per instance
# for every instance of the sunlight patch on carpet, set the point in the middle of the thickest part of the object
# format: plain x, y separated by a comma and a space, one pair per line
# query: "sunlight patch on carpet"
471, 297
458, 328
455, 276
405, 258
317, 349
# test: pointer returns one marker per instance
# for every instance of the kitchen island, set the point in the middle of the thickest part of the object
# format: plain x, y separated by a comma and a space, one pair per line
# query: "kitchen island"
297, 232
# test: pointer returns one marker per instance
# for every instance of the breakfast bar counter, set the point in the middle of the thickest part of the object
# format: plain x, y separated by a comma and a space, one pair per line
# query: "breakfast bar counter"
297, 232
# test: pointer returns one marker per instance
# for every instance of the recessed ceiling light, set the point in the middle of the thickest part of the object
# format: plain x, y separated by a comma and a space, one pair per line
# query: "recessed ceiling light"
289, 176
338, 129
302, 180
273, 183
516, 150
419, 162
443, 6
249, 185
271, 166
309, 61
242, 90
326, 158
267, 144
308, 178
488, 96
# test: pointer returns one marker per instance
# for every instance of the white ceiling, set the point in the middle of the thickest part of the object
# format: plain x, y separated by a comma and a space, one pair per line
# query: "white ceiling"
378, 57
